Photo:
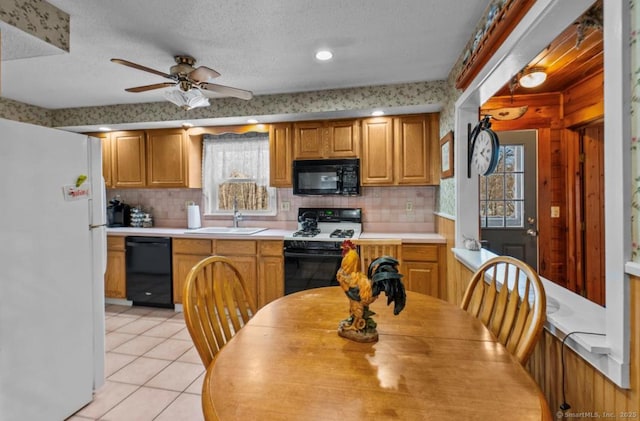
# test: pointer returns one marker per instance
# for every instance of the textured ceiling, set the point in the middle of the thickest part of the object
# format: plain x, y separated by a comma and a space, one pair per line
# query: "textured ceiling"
264, 46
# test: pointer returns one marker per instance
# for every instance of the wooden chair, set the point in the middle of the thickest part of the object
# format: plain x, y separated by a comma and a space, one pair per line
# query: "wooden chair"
371, 249
216, 304
515, 314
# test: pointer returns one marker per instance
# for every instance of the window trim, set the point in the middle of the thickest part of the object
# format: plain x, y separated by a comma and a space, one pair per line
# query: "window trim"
547, 18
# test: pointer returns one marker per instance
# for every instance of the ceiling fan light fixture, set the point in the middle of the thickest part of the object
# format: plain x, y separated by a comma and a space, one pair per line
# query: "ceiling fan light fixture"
187, 100
532, 77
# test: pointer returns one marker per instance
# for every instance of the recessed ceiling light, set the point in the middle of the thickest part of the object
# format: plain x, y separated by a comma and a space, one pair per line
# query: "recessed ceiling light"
324, 55
377, 113
104, 129
252, 121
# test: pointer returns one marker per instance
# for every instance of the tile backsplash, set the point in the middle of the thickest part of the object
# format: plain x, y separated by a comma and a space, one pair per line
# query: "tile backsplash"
384, 208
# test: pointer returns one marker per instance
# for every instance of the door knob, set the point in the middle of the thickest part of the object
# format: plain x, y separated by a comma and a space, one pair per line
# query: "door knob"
531, 232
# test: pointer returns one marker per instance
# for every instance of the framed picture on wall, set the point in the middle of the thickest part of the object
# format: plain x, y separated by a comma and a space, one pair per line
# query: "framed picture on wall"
446, 156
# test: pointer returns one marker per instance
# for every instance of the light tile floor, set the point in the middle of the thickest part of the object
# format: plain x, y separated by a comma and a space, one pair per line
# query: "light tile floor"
152, 369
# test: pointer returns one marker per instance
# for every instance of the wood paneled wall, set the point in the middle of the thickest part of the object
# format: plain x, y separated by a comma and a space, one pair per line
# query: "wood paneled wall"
583, 103
586, 389
458, 275
447, 228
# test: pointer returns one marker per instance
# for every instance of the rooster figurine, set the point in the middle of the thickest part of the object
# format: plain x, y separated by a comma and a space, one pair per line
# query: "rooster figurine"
363, 289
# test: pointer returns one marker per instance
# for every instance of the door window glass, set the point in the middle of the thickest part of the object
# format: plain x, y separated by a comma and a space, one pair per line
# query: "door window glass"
502, 193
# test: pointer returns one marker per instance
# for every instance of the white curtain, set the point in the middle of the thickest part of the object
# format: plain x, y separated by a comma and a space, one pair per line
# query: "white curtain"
235, 167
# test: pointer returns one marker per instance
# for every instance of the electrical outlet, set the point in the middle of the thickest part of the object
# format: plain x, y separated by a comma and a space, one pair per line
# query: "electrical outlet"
409, 206
285, 206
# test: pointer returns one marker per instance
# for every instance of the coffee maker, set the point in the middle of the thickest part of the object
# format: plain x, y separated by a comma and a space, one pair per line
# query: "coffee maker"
118, 213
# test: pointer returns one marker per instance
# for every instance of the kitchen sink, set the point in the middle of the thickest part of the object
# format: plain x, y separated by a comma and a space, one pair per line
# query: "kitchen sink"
225, 230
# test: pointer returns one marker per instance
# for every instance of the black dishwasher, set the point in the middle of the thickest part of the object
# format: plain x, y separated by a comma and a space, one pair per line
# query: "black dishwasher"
149, 271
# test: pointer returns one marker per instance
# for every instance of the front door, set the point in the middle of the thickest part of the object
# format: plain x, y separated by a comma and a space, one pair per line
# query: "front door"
508, 207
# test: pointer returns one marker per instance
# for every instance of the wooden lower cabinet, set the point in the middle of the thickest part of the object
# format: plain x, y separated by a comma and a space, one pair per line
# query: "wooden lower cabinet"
421, 277
115, 276
260, 263
186, 254
270, 272
243, 254
421, 267
247, 267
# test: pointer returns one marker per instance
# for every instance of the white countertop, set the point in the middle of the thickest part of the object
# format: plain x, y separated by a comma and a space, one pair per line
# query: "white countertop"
407, 237
268, 234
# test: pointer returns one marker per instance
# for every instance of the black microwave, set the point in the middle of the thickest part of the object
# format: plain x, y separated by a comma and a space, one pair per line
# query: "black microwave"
326, 177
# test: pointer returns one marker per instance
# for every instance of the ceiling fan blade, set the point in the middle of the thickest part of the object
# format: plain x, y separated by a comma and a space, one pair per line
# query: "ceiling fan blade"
150, 87
202, 74
226, 90
140, 67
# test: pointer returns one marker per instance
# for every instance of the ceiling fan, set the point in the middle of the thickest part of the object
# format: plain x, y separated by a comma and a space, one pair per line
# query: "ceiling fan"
186, 77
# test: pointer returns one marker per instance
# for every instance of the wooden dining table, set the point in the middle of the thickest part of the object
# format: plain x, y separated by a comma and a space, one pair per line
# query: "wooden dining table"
433, 361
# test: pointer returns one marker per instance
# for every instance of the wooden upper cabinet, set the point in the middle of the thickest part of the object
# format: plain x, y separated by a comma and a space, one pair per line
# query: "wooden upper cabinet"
307, 140
280, 155
106, 160
376, 166
343, 139
412, 150
152, 158
105, 140
400, 150
128, 159
166, 156
326, 139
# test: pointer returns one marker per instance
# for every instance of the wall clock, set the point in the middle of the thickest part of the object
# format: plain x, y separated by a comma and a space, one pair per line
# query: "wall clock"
483, 148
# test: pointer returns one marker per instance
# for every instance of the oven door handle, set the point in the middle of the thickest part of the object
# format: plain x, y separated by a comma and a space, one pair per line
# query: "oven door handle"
310, 255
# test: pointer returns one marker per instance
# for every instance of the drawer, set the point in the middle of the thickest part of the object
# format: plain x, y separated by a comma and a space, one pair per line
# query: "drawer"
271, 248
235, 247
188, 246
115, 243
420, 252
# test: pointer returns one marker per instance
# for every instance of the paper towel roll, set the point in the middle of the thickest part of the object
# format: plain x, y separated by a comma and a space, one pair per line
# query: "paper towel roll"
193, 216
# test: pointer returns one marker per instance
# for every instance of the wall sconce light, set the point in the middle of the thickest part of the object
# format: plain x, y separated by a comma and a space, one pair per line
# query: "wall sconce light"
532, 77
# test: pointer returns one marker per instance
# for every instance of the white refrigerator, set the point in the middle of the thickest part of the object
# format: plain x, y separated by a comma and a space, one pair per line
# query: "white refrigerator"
52, 264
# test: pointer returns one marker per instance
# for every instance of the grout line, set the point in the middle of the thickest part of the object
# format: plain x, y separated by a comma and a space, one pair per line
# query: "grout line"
135, 314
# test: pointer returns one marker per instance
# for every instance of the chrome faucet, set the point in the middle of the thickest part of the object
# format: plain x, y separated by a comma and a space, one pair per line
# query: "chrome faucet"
237, 216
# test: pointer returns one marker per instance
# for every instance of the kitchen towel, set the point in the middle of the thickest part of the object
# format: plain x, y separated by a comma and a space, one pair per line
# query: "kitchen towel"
193, 216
